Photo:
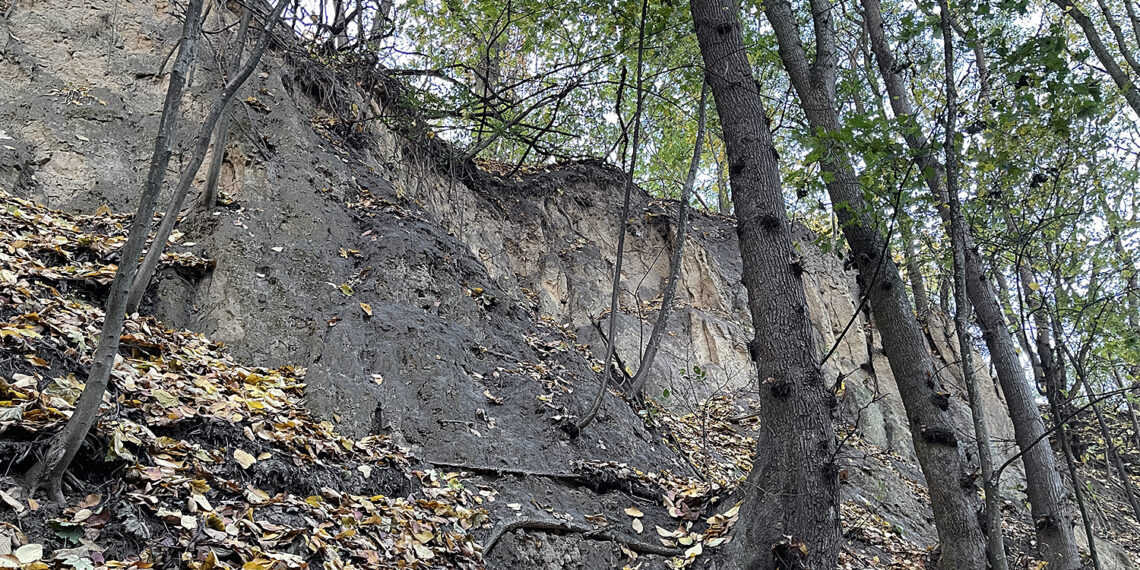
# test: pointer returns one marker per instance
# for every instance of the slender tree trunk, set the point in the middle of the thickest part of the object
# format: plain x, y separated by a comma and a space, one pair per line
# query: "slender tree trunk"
1043, 480
611, 335
221, 139
202, 145
791, 495
1071, 463
1111, 453
994, 539
913, 268
658, 332
48, 472
935, 443
1096, 44
1132, 417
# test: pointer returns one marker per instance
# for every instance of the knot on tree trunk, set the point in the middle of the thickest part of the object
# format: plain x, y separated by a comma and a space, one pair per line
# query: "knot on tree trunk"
939, 435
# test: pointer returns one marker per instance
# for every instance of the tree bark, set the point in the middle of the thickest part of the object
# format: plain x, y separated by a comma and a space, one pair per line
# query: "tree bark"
202, 145
937, 447
1043, 480
791, 495
210, 194
642, 376
48, 472
994, 540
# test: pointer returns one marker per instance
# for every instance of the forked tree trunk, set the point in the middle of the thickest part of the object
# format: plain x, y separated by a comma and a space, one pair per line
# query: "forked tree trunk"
48, 472
202, 145
935, 442
791, 495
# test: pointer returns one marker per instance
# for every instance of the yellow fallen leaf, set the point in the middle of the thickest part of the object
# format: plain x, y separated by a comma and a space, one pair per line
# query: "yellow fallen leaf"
634, 512
366, 308
244, 458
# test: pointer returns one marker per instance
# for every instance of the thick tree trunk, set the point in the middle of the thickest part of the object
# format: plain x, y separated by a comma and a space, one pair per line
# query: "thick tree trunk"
791, 495
1043, 480
48, 472
935, 443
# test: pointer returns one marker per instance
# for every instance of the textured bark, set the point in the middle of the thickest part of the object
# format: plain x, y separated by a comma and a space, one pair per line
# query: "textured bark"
791, 495
1043, 480
955, 506
202, 145
642, 376
995, 543
48, 472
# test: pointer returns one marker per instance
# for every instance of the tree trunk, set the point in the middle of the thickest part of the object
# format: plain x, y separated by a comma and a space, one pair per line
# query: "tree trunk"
791, 495
935, 443
202, 145
611, 335
1054, 377
1043, 480
48, 472
210, 194
994, 539
642, 376
913, 268
1096, 44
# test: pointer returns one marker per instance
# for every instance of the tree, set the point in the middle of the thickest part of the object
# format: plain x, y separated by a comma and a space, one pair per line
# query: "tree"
790, 514
935, 443
1043, 481
202, 144
994, 540
47, 473
642, 376
635, 145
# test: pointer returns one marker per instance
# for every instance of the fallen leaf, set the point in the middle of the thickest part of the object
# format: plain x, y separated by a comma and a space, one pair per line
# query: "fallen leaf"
244, 458
634, 512
29, 553
637, 526
366, 308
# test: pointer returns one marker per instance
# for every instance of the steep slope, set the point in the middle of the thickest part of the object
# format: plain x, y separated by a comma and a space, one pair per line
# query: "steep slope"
453, 310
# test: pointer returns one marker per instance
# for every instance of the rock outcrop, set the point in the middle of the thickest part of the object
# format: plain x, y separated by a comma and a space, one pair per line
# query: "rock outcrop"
476, 287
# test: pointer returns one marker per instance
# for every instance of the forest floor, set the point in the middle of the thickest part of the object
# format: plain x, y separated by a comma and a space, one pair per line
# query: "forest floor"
199, 461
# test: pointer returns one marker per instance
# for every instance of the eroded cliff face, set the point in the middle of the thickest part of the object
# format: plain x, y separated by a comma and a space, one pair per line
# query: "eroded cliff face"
477, 289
